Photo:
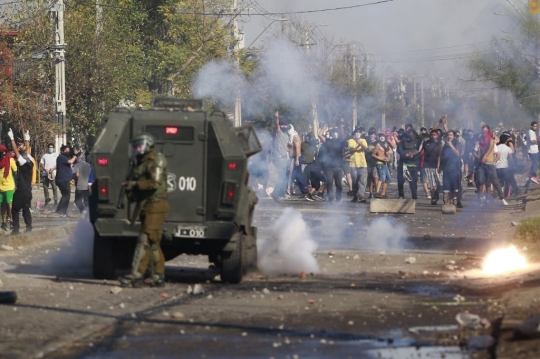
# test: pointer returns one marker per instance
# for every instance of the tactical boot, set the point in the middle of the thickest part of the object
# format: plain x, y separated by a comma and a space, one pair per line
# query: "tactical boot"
131, 281
157, 281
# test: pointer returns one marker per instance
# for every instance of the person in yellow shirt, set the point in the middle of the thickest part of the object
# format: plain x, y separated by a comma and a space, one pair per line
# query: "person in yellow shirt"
8, 170
357, 148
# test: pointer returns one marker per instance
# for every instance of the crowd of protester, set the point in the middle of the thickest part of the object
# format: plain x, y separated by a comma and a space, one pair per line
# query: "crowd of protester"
361, 162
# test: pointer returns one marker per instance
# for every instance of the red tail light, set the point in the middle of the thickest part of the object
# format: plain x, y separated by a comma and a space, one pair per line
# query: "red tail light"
103, 189
171, 130
103, 161
233, 166
229, 193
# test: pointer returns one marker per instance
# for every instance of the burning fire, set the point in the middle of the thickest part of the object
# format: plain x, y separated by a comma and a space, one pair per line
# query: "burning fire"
504, 260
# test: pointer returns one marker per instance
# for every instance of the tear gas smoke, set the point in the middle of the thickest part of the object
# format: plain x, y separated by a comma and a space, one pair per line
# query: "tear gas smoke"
290, 248
386, 233
218, 79
282, 68
75, 255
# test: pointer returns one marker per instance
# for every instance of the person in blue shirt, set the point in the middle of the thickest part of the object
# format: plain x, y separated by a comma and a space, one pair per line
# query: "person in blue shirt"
63, 178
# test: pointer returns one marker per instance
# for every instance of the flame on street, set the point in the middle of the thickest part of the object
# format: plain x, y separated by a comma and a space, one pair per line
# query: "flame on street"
504, 260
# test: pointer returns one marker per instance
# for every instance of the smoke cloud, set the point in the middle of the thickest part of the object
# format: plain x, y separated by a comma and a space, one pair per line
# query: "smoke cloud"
290, 248
218, 79
386, 233
75, 255
283, 70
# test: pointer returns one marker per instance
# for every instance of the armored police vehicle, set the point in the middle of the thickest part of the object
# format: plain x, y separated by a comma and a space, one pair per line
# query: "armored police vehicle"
211, 206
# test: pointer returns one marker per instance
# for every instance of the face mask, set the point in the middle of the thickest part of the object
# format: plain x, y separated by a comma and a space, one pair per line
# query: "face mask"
382, 139
51, 150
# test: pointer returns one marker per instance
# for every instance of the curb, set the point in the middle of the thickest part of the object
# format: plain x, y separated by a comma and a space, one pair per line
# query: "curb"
39, 234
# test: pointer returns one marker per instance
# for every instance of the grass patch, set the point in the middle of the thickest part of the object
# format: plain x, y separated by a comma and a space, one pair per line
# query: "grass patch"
528, 235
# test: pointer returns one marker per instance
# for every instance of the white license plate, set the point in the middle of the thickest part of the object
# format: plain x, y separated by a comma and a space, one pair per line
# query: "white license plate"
191, 232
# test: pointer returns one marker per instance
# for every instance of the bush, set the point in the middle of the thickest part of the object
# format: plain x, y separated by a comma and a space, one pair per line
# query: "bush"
528, 235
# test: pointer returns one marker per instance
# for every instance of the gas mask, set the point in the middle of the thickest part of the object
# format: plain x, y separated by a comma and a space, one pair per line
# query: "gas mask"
382, 139
2, 154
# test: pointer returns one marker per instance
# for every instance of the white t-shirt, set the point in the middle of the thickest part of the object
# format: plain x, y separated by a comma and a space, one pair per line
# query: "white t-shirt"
49, 161
533, 147
505, 151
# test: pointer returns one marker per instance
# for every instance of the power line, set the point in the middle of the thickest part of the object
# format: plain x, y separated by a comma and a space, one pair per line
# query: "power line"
432, 49
248, 14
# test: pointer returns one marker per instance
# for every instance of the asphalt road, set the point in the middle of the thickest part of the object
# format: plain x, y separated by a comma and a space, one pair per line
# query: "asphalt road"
361, 302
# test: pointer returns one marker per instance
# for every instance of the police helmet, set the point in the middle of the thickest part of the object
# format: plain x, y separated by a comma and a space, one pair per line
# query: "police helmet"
141, 144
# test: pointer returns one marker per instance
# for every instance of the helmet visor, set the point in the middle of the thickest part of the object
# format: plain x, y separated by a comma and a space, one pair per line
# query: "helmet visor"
139, 147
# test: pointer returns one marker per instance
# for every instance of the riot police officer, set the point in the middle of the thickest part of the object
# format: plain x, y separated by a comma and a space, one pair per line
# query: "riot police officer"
147, 186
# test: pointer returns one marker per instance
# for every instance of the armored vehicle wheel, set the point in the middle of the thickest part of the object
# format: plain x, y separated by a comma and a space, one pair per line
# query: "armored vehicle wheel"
103, 261
249, 253
231, 264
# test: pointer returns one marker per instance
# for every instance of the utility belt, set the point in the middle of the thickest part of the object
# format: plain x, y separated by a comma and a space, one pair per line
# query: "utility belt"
157, 198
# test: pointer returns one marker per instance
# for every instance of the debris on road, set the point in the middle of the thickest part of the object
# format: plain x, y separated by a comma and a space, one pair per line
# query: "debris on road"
480, 342
196, 290
8, 297
528, 329
410, 260
471, 321
178, 315
6, 248
115, 290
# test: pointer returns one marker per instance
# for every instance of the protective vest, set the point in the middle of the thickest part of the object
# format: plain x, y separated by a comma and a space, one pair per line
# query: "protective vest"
151, 177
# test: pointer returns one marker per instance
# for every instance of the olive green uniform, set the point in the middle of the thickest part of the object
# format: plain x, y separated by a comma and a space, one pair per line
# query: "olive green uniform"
147, 186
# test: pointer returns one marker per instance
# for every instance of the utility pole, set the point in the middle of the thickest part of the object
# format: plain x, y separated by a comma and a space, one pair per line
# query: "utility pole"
422, 98
99, 12
383, 117
238, 102
355, 112
60, 72
314, 114
414, 91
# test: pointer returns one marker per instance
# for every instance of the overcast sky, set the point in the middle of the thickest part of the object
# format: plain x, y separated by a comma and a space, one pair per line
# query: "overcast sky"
400, 30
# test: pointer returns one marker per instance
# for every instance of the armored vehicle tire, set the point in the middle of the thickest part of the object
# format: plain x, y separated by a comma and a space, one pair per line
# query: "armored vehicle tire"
231, 264
249, 253
103, 259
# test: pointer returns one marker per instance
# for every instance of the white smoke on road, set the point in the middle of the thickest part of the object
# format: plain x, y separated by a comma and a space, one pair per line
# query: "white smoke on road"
75, 255
290, 248
385, 233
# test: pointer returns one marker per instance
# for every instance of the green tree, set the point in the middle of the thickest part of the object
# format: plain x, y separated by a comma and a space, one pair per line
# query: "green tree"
514, 63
